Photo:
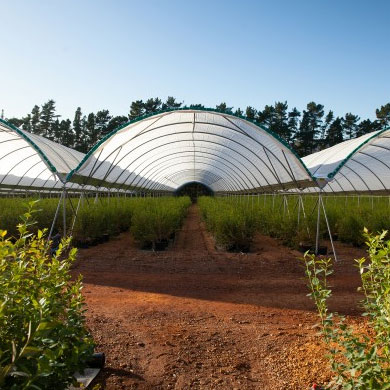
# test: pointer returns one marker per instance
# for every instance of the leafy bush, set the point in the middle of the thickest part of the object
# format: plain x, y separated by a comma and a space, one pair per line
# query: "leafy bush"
359, 360
350, 229
43, 339
232, 226
155, 220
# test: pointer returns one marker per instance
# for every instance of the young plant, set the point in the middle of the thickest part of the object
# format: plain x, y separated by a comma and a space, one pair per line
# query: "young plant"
43, 338
232, 225
155, 220
360, 360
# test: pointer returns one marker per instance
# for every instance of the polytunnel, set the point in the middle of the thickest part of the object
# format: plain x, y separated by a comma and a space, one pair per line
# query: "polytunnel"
164, 151
360, 165
31, 162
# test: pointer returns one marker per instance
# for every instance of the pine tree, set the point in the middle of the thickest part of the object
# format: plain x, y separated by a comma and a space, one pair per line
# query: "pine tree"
222, 107
293, 117
335, 132
47, 119
367, 126
239, 112
136, 109
102, 118
90, 129
383, 115
170, 104
26, 125
267, 116
114, 123
280, 123
350, 124
56, 131
309, 129
196, 106
66, 133
315, 112
15, 121
151, 106
77, 128
327, 122
303, 142
250, 113
35, 120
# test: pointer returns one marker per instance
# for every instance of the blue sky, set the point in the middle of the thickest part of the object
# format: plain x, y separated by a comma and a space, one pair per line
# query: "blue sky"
104, 54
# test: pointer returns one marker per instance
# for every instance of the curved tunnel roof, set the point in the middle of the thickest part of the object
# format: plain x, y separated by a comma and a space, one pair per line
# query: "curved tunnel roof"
168, 149
357, 165
29, 161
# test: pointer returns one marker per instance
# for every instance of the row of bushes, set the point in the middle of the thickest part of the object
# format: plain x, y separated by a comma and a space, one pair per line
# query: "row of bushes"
152, 220
155, 221
230, 223
234, 220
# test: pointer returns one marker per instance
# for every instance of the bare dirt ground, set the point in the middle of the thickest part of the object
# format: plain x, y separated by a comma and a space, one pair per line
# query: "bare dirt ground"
195, 318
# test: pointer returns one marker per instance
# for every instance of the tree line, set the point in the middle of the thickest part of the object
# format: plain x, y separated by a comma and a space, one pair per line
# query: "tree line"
308, 131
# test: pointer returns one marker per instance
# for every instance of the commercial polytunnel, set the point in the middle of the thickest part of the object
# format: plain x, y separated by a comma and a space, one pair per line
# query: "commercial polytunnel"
164, 151
360, 165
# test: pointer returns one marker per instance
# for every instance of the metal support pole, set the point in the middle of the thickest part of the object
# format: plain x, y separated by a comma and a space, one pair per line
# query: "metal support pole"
318, 222
299, 212
64, 211
77, 210
55, 217
329, 232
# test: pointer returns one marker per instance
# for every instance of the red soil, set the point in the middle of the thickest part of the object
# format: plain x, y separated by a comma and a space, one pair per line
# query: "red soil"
195, 318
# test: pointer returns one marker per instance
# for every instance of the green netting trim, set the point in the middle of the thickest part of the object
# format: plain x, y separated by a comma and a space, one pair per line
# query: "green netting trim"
360, 146
32, 143
142, 117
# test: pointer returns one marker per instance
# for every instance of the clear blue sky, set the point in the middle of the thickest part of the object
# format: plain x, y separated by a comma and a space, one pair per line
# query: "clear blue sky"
104, 54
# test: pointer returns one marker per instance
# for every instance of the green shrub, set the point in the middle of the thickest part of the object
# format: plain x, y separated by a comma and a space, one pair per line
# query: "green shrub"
43, 339
360, 361
350, 229
232, 225
155, 220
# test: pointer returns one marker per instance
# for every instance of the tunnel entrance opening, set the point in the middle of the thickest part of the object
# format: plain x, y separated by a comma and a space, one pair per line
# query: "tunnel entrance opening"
194, 190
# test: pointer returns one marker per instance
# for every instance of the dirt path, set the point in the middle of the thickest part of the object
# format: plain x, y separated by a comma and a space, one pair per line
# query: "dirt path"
194, 318
191, 237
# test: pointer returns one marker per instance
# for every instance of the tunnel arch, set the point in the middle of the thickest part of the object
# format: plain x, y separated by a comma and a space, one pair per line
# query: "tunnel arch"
166, 150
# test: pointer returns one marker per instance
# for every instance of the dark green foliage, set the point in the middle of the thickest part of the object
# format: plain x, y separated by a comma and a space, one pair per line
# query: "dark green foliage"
222, 107
152, 106
155, 220
66, 133
47, 119
114, 123
231, 225
250, 113
350, 124
238, 112
136, 109
43, 338
327, 122
170, 104
310, 128
335, 133
306, 133
383, 115
78, 128
35, 120
366, 126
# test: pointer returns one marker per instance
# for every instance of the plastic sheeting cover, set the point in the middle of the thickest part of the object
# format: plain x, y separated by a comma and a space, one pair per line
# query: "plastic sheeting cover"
31, 161
164, 151
358, 165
